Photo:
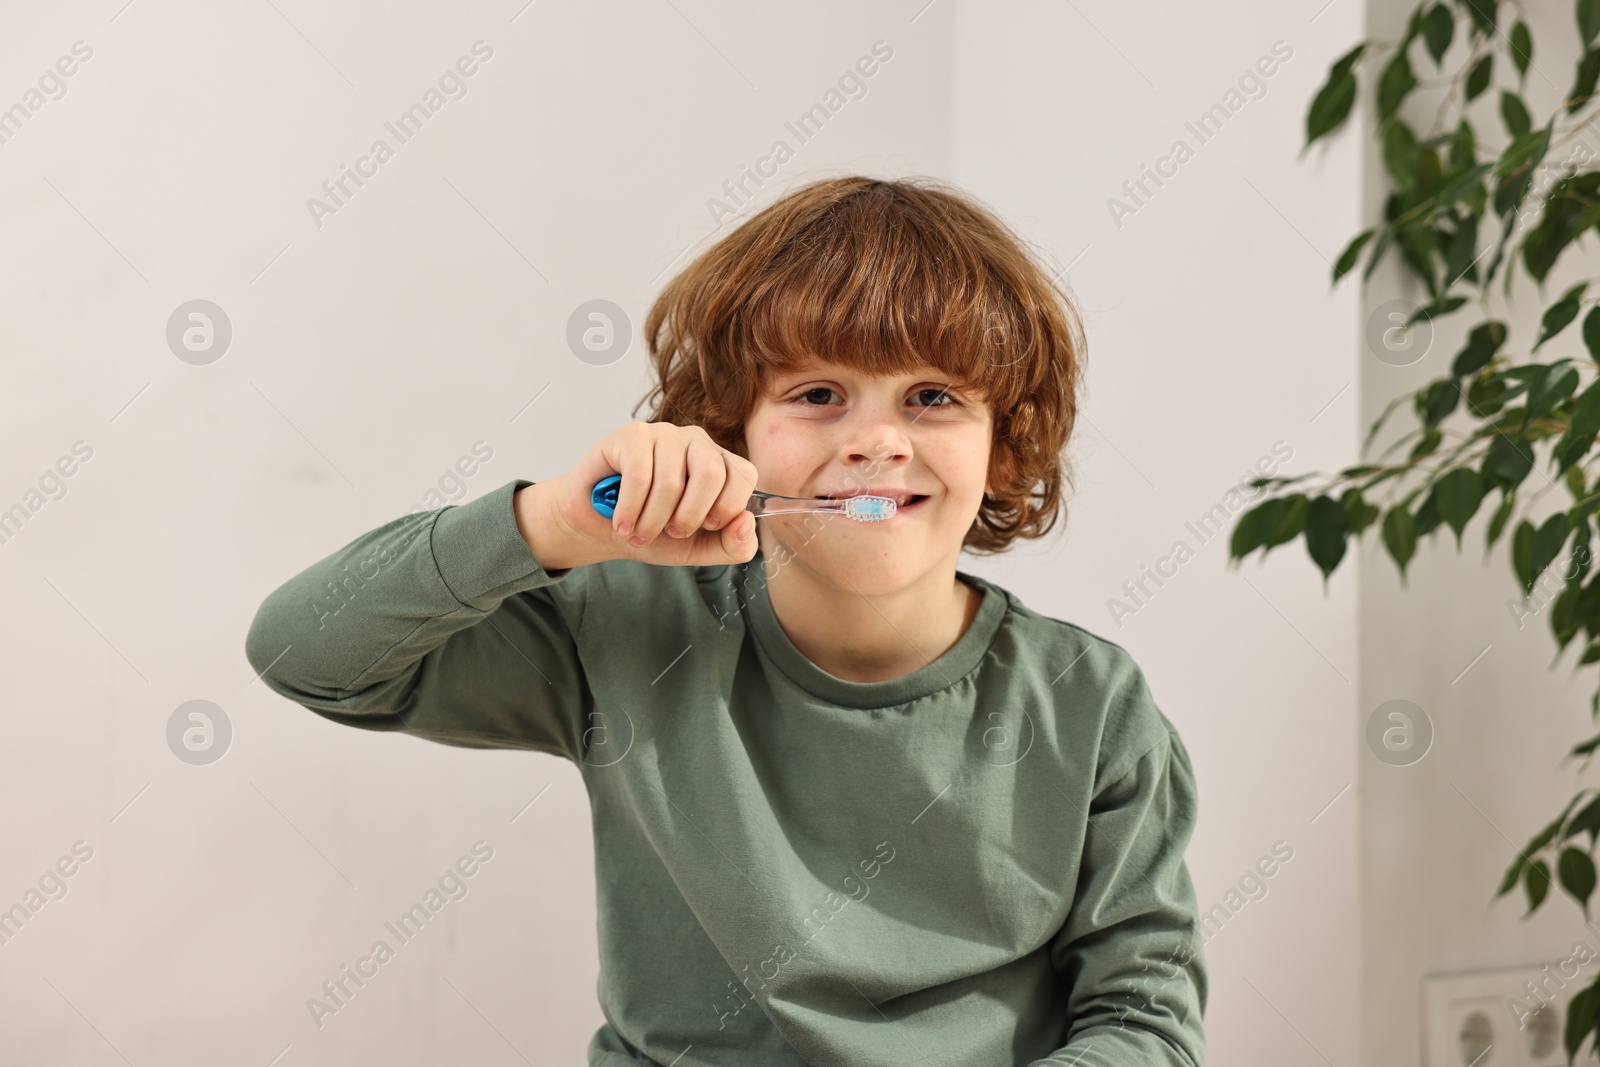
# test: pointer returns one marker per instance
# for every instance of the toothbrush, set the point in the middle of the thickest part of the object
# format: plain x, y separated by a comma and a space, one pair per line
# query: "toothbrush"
762, 504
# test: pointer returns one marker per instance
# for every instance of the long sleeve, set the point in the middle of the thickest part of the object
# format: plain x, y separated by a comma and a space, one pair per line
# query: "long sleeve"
440, 624
1130, 948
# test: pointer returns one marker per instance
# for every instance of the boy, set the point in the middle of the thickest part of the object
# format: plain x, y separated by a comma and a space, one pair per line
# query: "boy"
852, 806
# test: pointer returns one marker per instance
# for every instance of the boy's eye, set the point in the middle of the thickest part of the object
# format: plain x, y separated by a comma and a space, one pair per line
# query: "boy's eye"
937, 398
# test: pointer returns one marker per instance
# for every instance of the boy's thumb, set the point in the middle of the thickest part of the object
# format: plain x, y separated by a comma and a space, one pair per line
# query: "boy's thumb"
739, 538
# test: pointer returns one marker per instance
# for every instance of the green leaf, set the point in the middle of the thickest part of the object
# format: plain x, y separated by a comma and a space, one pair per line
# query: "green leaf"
1510, 459
1417, 247
1438, 26
1498, 524
1400, 153
1550, 392
1522, 148
1588, 20
1547, 544
1563, 623
1442, 306
1514, 186
1482, 343
1332, 103
1269, 524
1548, 834
1583, 86
1250, 530
1558, 316
1581, 555
1429, 440
1591, 328
1439, 400
1499, 253
1345, 63
1327, 527
1581, 1018
1488, 395
1572, 448
1515, 114
1460, 258
1556, 319
1521, 47
1531, 374
1428, 517
1586, 821
1351, 253
1430, 170
1515, 167
1478, 78
1400, 538
1358, 513
1513, 875
1459, 493
1464, 145
1522, 555
1384, 237
1536, 880
1576, 871
1483, 14
1394, 83
1581, 428
1291, 520
1563, 219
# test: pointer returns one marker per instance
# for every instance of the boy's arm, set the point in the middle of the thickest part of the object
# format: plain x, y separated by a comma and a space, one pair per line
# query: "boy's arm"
1130, 948
418, 626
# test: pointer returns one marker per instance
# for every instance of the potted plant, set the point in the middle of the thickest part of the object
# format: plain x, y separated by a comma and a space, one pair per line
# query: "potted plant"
1512, 413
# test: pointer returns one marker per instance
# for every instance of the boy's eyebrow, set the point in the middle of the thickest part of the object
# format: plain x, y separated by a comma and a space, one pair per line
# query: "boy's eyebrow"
822, 368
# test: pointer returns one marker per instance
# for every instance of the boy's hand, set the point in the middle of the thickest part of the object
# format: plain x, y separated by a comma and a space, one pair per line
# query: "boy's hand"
673, 478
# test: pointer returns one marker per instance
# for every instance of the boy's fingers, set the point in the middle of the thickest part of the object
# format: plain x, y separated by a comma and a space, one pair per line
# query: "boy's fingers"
706, 472
739, 538
734, 498
666, 488
634, 465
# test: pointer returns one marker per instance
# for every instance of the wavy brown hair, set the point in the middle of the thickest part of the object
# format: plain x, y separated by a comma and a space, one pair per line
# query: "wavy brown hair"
886, 276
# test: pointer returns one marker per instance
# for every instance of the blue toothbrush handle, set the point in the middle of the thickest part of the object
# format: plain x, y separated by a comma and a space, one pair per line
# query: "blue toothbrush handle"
604, 495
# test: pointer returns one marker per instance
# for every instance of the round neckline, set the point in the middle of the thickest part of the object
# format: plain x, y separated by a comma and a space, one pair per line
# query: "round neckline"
957, 661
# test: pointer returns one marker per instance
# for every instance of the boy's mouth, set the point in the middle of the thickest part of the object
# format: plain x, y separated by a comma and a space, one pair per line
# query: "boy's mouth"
902, 500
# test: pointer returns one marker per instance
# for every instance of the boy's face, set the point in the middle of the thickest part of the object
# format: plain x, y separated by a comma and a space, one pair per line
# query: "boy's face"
829, 429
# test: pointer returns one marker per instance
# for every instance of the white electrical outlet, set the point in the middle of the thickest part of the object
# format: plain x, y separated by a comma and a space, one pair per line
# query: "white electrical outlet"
1491, 1019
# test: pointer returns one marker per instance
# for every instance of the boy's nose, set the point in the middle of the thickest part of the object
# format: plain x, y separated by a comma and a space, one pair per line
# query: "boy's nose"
877, 437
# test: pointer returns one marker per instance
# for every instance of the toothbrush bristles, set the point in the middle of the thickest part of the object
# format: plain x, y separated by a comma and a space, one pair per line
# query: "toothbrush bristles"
869, 508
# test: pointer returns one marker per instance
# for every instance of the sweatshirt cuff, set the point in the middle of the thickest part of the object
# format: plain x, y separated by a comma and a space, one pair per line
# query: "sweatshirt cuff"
1123, 1046
481, 554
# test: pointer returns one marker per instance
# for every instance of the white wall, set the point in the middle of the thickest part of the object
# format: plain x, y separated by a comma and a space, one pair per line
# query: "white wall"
370, 353
1213, 336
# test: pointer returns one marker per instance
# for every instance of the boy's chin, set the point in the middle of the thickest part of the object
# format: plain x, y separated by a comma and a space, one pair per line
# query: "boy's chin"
883, 572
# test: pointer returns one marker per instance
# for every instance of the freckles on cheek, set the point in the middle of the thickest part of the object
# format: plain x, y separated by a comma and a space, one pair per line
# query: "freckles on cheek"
766, 439
779, 436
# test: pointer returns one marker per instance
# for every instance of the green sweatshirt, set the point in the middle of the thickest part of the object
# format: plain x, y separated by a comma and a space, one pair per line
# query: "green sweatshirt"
976, 864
